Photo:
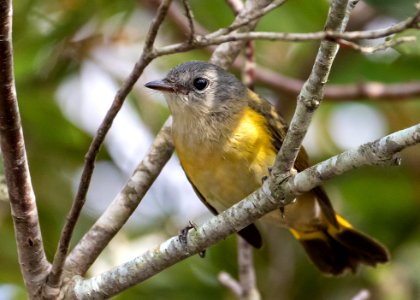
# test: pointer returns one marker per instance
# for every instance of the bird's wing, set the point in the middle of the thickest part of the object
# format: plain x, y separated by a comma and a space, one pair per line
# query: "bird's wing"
278, 129
250, 233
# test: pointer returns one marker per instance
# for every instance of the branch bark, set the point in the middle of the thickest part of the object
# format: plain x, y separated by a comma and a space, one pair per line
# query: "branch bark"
124, 204
312, 91
240, 215
33, 263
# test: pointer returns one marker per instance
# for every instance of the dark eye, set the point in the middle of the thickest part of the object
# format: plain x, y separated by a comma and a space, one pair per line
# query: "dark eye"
200, 83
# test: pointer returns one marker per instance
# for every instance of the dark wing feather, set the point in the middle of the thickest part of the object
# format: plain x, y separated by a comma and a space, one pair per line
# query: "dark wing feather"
250, 233
278, 129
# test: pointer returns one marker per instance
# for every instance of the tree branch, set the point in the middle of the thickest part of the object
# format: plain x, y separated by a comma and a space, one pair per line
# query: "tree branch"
33, 263
238, 216
312, 91
123, 205
144, 60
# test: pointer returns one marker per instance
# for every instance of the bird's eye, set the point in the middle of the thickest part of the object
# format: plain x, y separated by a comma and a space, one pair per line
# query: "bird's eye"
200, 83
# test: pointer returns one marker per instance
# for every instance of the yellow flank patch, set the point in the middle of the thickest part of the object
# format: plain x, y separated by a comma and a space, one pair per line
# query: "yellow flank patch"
229, 168
251, 139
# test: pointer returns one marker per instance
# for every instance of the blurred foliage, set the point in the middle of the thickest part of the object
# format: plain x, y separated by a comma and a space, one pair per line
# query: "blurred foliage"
383, 202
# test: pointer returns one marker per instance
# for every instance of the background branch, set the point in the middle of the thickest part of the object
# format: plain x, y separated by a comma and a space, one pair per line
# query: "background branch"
362, 90
32, 260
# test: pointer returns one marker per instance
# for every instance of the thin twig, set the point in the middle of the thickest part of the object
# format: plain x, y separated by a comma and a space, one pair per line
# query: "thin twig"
238, 216
32, 260
190, 18
380, 47
312, 91
231, 283
144, 60
123, 205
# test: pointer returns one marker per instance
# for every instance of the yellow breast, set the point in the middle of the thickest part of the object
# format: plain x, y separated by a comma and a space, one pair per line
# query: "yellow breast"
227, 169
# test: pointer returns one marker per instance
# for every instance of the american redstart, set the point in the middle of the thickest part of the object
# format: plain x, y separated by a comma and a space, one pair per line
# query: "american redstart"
227, 138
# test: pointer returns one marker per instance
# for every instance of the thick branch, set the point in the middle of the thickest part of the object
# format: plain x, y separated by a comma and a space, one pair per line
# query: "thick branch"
121, 208
313, 90
237, 217
145, 58
32, 260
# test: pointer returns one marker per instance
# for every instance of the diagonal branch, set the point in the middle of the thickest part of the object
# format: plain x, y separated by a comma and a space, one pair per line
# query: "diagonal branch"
145, 58
121, 208
240, 215
33, 263
312, 91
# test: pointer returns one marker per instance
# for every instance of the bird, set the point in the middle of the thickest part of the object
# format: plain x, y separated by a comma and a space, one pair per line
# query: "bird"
226, 138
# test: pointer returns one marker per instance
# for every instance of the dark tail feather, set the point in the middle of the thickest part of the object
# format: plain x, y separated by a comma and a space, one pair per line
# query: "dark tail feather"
335, 250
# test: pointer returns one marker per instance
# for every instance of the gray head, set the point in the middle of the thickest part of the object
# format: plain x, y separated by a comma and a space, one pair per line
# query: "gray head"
200, 88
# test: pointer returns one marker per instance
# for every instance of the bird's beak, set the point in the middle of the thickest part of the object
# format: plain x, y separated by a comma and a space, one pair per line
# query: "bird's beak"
161, 85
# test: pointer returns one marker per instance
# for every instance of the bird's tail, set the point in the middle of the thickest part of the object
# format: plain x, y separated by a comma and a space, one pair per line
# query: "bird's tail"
338, 248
